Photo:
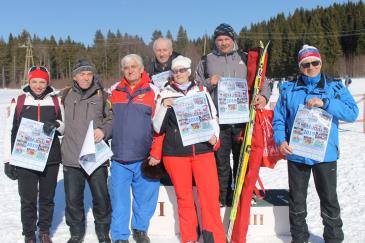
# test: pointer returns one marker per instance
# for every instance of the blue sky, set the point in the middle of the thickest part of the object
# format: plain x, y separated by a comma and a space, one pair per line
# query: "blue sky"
80, 18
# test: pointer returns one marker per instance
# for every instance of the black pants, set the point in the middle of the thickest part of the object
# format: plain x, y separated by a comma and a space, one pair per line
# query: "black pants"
74, 192
32, 184
229, 142
325, 179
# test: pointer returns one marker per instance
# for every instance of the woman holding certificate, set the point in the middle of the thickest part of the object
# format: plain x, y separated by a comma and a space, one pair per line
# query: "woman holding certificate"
305, 126
186, 114
36, 185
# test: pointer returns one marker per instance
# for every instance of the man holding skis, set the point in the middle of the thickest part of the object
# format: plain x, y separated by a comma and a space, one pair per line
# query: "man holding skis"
227, 61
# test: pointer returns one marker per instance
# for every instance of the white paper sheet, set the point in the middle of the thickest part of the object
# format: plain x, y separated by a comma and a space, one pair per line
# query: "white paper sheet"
32, 145
93, 155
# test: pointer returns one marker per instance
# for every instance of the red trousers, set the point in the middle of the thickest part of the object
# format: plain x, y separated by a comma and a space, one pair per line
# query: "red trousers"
181, 171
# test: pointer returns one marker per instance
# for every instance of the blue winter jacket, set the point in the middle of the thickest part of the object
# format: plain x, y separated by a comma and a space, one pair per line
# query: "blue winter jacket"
337, 101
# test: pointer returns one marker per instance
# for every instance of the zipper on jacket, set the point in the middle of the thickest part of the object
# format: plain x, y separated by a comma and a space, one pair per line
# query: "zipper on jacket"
87, 109
193, 146
73, 115
39, 112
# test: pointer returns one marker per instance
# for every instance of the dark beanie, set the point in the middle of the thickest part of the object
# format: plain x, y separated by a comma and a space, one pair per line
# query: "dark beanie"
83, 65
224, 29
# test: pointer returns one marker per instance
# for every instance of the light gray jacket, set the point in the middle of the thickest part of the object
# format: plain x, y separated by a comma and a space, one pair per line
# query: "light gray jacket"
225, 65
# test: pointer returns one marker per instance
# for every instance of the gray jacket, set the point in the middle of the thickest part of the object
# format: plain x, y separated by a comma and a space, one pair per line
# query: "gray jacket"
82, 106
225, 65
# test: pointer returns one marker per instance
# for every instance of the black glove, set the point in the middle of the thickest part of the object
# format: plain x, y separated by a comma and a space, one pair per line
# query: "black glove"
10, 171
49, 126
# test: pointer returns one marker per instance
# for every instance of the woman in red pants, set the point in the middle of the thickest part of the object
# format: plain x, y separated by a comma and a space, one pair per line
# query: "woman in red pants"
183, 163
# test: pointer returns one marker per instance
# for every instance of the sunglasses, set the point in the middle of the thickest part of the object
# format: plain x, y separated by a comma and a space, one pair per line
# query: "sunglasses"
33, 68
308, 64
180, 70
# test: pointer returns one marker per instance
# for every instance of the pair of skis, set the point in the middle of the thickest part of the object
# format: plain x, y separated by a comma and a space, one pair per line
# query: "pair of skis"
246, 145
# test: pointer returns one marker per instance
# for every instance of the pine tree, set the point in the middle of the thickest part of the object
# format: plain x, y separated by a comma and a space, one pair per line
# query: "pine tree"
155, 35
169, 35
181, 40
98, 52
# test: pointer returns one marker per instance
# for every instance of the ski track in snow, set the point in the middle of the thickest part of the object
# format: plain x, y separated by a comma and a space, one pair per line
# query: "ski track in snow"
350, 188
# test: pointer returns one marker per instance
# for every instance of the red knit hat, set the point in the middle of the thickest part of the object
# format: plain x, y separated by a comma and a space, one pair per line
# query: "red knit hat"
38, 72
308, 51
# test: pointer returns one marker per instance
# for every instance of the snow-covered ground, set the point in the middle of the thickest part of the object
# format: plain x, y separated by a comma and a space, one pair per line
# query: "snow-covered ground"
351, 183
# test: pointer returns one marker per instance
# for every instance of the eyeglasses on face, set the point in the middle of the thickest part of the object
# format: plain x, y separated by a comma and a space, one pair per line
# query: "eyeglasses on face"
180, 70
307, 64
33, 68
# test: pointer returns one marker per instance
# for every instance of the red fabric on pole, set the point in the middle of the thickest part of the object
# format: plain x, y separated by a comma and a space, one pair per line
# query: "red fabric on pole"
262, 140
271, 153
243, 213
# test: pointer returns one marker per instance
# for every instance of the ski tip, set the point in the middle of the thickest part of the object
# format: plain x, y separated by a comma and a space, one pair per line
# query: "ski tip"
261, 45
268, 43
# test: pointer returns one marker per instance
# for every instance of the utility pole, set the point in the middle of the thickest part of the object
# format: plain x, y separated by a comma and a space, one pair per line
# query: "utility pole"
3, 75
205, 43
29, 61
14, 69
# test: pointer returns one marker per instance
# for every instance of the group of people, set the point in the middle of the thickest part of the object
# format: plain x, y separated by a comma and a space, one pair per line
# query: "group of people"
140, 119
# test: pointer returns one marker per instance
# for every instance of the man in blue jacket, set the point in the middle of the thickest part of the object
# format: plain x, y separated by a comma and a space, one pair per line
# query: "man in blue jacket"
134, 103
313, 89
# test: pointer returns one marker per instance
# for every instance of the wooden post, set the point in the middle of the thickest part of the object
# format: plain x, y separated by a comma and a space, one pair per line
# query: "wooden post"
363, 113
3, 77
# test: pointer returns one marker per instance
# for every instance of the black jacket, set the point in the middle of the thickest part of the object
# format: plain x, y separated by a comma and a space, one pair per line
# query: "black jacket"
46, 113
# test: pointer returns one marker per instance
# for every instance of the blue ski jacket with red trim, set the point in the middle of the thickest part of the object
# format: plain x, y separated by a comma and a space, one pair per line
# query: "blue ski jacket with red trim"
133, 110
338, 102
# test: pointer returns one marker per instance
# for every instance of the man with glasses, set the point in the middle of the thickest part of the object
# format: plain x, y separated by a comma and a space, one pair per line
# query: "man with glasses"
226, 60
313, 88
85, 101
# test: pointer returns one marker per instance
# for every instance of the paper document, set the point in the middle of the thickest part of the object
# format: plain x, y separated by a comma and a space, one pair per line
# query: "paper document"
32, 145
233, 105
310, 132
93, 155
161, 79
194, 118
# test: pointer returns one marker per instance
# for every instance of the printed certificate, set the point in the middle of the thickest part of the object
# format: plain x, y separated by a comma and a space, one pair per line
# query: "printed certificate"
232, 101
161, 79
32, 145
310, 132
194, 118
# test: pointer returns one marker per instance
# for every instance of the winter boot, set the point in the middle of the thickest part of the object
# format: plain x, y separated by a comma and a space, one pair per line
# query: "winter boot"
104, 239
44, 238
102, 232
140, 236
76, 239
30, 239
